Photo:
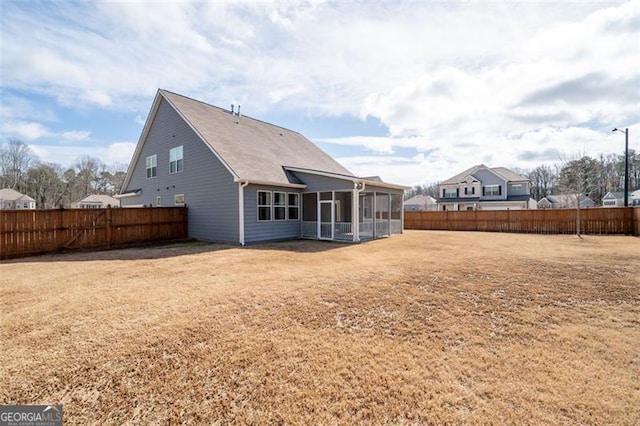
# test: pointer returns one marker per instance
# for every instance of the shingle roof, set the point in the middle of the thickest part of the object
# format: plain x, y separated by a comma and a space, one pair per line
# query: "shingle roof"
252, 149
99, 198
9, 194
421, 199
507, 174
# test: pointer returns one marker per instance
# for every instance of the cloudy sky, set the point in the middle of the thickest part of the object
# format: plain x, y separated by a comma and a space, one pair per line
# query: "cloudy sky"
414, 92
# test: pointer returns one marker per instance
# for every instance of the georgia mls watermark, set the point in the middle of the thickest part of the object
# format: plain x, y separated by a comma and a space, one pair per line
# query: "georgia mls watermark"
30, 415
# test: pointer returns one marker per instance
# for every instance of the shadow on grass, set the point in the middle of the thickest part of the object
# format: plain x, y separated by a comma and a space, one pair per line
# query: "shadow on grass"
300, 246
138, 252
173, 249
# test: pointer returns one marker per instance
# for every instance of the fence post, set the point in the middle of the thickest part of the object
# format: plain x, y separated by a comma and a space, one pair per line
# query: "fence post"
108, 226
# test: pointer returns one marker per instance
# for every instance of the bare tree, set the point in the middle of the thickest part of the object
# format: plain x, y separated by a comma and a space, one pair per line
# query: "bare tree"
543, 180
578, 178
430, 189
88, 179
15, 159
45, 185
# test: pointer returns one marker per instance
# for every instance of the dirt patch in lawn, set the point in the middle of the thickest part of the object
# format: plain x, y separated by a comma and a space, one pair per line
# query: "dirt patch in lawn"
427, 327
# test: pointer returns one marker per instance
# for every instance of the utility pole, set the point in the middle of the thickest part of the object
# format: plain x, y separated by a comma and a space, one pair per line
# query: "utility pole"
626, 164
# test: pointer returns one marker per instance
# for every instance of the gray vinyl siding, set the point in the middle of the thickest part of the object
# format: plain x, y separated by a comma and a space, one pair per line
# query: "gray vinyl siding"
486, 177
523, 189
210, 193
323, 183
372, 188
269, 230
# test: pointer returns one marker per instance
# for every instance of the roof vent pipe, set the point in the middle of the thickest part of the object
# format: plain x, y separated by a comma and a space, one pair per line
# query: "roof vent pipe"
231, 109
238, 110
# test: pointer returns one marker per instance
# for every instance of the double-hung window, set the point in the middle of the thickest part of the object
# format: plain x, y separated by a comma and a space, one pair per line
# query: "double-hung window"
175, 159
279, 205
264, 205
492, 190
450, 193
152, 166
293, 206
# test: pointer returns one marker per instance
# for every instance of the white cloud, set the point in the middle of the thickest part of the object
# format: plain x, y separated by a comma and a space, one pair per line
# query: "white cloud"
25, 130
31, 131
75, 135
115, 153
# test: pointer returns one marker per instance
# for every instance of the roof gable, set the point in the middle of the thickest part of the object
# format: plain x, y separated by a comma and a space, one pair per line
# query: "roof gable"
9, 194
501, 172
252, 149
421, 199
99, 198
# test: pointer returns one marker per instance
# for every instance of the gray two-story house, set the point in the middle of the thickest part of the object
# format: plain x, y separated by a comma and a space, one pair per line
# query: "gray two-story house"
246, 181
486, 188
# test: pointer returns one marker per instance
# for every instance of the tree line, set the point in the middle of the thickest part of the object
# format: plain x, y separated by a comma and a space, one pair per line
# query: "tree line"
51, 184
593, 177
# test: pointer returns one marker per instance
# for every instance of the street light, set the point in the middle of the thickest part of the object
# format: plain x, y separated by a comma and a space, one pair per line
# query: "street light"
626, 164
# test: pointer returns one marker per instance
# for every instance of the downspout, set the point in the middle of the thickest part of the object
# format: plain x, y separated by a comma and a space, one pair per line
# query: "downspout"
356, 209
241, 186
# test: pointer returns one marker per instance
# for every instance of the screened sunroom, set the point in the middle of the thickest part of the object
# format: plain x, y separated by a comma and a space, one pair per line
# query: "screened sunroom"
351, 215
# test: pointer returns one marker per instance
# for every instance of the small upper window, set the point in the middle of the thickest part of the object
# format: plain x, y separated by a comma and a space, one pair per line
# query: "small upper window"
175, 159
450, 193
492, 190
152, 166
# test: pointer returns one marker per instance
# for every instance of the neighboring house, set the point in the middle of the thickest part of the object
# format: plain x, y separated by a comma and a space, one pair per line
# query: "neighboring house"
246, 181
486, 188
564, 201
13, 200
420, 203
96, 201
616, 199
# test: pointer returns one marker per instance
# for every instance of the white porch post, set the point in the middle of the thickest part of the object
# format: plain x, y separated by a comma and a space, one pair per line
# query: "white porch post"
375, 213
355, 215
402, 215
389, 213
333, 214
318, 226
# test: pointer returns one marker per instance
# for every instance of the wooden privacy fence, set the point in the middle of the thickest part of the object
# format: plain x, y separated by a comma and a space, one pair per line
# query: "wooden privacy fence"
623, 220
29, 232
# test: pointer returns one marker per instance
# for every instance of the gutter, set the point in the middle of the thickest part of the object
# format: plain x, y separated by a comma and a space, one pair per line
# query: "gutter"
241, 186
356, 208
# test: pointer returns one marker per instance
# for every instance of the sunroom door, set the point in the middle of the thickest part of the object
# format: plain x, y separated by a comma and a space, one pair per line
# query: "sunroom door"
326, 220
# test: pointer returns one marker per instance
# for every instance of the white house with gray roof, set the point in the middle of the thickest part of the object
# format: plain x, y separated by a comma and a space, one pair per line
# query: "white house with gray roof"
486, 188
420, 203
10, 199
96, 201
246, 181
565, 201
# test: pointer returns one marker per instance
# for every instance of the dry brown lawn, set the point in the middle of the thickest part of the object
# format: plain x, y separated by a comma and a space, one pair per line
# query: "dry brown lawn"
427, 327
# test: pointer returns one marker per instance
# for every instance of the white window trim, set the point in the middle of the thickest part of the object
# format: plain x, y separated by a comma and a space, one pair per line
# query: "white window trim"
147, 168
274, 206
176, 160
293, 206
496, 187
258, 206
450, 191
